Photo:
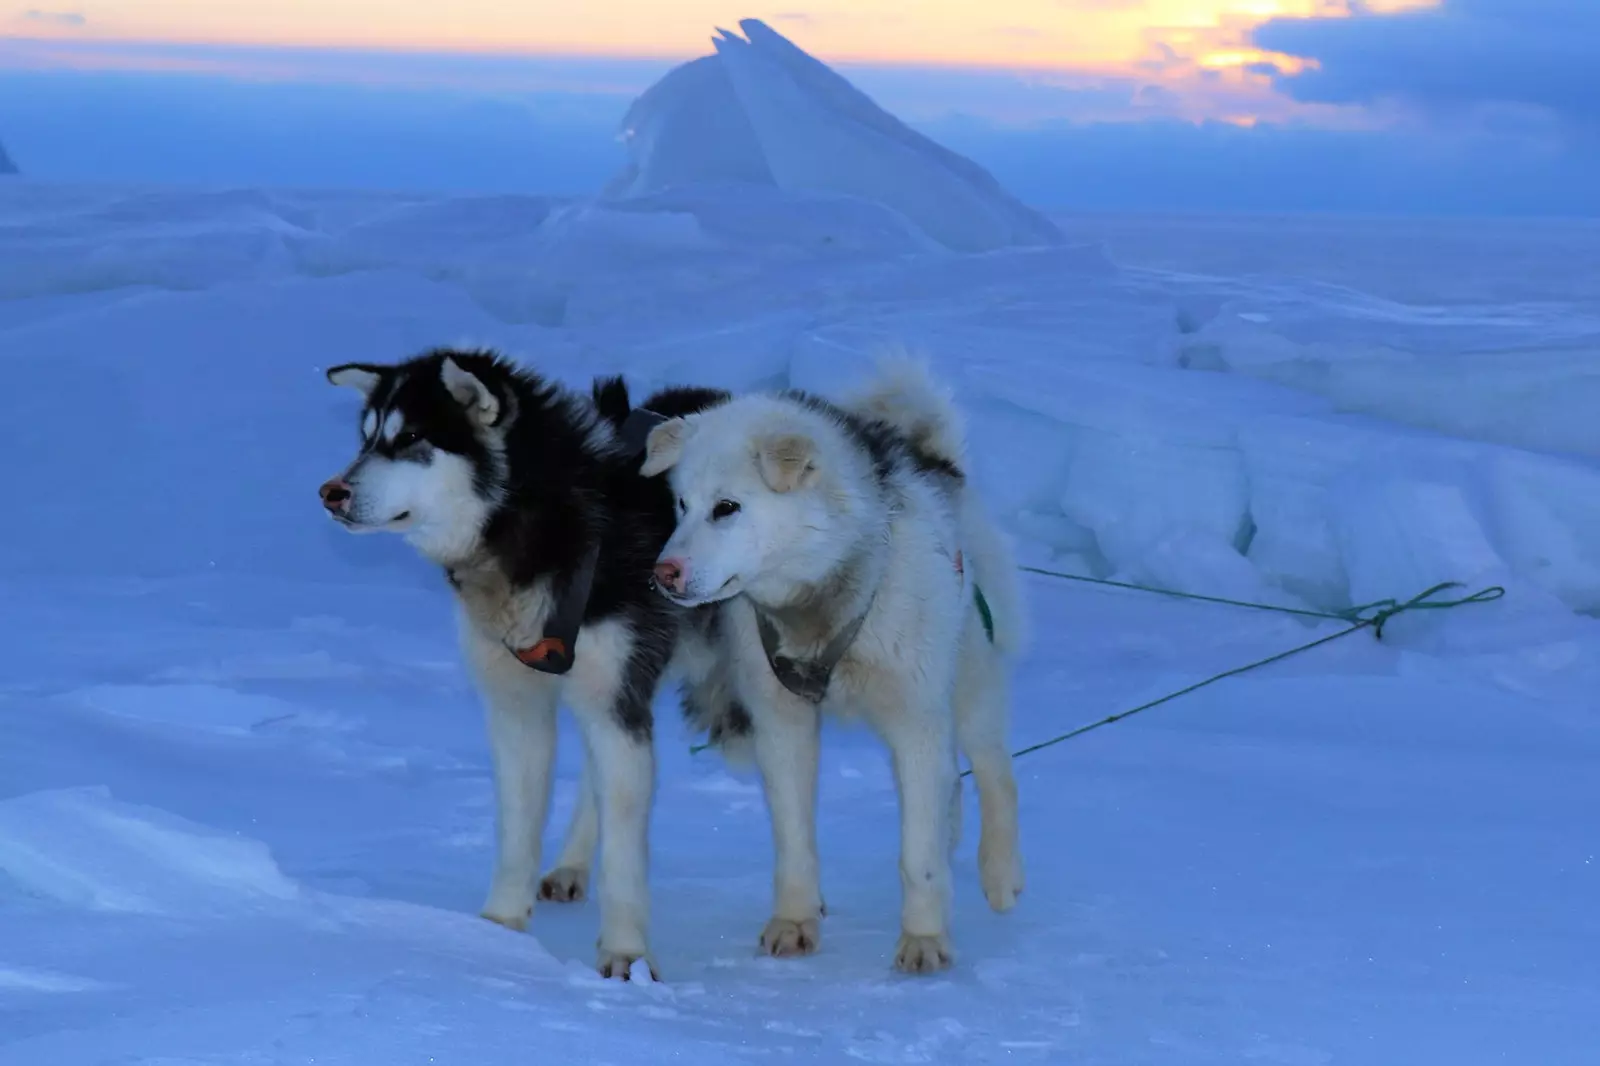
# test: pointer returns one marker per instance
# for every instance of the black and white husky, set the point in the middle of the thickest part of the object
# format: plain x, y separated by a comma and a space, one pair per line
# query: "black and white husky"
858, 573
530, 498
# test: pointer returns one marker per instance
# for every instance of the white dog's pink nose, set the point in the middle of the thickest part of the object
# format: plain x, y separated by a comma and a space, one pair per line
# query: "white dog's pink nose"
672, 575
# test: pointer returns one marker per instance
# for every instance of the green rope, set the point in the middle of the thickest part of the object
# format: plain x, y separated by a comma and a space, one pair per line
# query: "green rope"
1353, 614
1369, 616
1373, 616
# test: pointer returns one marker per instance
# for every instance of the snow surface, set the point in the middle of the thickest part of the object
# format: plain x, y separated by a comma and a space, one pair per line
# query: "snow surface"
245, 809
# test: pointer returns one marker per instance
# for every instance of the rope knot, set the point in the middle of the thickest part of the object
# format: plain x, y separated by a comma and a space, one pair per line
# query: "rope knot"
1376, 615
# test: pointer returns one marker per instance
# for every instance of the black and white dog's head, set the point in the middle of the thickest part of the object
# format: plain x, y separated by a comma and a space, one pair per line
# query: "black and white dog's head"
431, 465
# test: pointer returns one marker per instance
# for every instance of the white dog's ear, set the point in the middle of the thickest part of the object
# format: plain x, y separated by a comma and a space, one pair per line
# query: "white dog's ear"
664, 446
468, 391
788, 462
362, 377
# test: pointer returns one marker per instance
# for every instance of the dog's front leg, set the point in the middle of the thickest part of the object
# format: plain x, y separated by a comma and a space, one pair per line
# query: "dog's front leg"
521, 710
788, 744
624, 764
613, 683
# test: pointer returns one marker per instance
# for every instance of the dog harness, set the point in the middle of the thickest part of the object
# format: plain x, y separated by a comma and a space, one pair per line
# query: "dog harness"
557, 648
807, 678
984, 614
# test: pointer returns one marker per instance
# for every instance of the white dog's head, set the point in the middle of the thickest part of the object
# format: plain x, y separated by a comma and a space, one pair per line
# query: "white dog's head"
430, 456
769, 501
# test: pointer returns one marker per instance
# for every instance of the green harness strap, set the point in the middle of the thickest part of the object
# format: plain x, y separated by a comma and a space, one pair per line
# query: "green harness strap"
983, 611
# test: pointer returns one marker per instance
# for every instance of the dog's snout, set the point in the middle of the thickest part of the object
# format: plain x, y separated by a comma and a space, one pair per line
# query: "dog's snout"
335, 493
671, 574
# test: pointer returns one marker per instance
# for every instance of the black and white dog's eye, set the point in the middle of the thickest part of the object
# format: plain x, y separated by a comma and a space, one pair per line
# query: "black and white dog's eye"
405, 439
724, 509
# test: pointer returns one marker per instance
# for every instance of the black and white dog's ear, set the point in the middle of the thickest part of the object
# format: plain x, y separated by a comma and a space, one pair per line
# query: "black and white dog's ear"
470, 392
788, 461
363, 377
664, 446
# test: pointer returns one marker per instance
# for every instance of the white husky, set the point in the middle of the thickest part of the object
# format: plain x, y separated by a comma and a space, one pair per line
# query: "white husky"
862, 575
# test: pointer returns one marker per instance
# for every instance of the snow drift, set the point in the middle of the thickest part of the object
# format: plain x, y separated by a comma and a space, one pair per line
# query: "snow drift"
1218, 435
761, 111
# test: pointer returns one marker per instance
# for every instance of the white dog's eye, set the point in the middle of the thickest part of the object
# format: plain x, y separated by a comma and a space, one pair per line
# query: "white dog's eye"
683, 508
724, 509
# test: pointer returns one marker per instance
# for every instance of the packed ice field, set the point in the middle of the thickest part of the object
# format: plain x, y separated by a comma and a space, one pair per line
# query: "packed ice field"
245, 803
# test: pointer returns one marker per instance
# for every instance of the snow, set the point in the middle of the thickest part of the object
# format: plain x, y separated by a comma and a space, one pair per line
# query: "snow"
761, 111
245, 811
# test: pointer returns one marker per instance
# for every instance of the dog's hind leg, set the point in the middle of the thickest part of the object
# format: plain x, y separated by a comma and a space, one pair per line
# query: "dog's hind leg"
917, 729
568, 882
521, 708
981, 704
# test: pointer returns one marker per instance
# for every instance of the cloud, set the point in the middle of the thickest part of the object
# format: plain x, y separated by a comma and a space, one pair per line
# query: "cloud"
59, 19
1465, 55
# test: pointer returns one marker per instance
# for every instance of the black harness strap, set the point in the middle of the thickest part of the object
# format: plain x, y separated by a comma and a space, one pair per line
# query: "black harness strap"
557, 649
808, 678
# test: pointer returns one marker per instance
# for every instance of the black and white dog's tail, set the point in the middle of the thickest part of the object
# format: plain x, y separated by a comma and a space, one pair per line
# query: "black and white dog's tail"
904, 394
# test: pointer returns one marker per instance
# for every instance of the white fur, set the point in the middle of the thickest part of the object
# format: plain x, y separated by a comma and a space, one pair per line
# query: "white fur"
815, 528
355, 377
433, 502
472, 394
616, 793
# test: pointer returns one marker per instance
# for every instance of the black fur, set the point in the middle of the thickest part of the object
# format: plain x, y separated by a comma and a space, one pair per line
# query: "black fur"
564, 485
708, 703
888, 446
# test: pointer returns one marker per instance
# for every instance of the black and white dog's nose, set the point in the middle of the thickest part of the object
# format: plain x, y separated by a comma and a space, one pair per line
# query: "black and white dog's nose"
335, 494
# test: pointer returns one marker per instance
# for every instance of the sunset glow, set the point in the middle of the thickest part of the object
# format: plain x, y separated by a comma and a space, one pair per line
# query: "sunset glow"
1010, 33
1172, 43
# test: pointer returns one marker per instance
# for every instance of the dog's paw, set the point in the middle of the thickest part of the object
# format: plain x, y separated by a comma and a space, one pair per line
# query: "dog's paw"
619, 964
511, 919
922, 954
784, 938
564, 884
1002, 882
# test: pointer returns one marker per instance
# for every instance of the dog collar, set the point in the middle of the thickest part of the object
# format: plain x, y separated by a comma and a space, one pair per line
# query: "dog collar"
808, 678
557, 648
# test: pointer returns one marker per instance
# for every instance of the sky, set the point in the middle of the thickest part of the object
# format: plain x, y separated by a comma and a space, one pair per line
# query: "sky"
1411, 106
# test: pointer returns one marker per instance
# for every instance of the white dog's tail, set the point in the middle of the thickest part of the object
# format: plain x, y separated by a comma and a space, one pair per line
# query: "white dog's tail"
904, 394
